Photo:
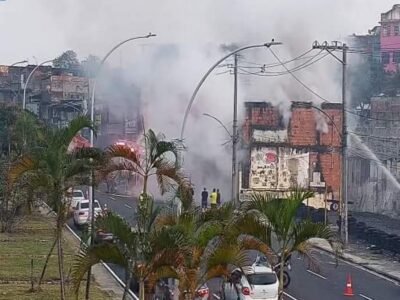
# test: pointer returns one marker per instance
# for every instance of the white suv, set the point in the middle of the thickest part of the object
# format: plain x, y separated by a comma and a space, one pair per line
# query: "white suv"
76, 196
260, 282
81, 212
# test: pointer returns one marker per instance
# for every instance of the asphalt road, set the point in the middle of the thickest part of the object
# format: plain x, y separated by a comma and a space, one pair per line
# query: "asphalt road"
327, 284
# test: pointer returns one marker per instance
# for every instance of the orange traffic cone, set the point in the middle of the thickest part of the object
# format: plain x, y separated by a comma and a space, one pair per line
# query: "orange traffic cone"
348, 291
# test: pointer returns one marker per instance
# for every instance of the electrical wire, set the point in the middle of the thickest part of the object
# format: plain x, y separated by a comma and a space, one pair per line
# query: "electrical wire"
296, 78
323, 98
272, 65
295, 69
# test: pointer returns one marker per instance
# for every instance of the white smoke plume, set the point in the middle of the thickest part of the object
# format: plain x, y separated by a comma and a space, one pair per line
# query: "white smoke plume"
166, 69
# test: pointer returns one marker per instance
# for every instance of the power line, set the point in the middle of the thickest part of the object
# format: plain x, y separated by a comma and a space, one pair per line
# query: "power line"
296, 78
295, 69
271, 65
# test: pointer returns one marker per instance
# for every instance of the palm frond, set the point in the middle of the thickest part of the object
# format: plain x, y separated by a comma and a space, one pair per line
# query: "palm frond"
167, 175
306, 250
65, 135
306, 230
24, 165
118, 166
249, 242
224, 258
124, 152
91, 256
119, 227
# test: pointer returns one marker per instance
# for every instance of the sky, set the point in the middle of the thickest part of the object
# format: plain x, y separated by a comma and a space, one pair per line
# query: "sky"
167, 68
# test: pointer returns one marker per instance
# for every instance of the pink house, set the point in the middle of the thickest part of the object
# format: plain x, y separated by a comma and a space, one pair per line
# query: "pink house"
390, 39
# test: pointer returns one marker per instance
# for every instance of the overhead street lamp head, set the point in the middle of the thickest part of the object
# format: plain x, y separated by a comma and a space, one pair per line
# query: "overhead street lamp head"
272, 43
151, 34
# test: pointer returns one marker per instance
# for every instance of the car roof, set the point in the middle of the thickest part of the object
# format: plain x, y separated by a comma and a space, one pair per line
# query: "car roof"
261, 269
257, 268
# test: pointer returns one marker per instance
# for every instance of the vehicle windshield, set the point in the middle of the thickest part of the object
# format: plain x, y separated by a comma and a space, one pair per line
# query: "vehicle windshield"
262, 278
85, 205
77, 194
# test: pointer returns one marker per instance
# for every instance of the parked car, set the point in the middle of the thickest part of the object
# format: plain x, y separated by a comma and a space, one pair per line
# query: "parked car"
260, 282
81, 212
75, 196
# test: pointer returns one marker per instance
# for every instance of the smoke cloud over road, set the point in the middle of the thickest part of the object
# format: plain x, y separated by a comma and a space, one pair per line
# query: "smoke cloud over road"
165, 70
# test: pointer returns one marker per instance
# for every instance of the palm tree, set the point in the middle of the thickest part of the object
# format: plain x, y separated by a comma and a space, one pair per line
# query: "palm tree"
53, 169
271, 219
143, 251
211, 253
156, 161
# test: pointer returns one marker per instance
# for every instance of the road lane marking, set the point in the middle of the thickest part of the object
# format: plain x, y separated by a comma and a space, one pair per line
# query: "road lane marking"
113, 198
315, 274
216, 296
365, 297
290, 296
355, 265
126, 205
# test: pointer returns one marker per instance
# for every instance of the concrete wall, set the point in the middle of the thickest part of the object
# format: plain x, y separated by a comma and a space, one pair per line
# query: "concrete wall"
372, 189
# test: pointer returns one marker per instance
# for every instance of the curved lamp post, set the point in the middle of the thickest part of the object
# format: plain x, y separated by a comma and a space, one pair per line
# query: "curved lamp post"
219, 122
91, 190
191, 101
235, 188
99, 70
29, 77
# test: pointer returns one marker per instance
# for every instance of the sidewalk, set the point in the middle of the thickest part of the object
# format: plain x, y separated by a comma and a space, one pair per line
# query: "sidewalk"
358, 253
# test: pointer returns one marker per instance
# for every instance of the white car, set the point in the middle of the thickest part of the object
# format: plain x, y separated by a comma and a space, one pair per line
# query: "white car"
81, 212
260, 282
76, 196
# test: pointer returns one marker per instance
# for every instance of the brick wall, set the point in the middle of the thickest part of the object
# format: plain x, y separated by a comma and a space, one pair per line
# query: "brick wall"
260, 114
324, 148
333, 136
302, 128
331, 171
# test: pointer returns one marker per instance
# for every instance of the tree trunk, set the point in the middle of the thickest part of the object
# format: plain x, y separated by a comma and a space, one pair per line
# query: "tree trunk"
128, 284
145, 179
60, 262
141, 290
281, 275
47, 262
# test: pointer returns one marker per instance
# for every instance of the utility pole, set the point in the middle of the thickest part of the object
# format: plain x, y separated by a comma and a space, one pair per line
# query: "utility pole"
344, 145
235, 134
344, 199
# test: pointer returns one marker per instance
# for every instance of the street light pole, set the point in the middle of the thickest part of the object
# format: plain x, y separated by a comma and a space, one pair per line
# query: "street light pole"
196, 90
29, 77
235, 187
91, 189
235, 184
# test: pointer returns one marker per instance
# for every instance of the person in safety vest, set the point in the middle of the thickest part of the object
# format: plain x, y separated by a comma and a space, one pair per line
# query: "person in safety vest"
213, 199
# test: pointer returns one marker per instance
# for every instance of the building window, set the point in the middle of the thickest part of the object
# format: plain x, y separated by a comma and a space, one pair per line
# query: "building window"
396, 57
385, 58
396, 29
386, 30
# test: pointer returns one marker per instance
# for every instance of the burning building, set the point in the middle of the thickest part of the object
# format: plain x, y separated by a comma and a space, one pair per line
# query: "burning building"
304, 153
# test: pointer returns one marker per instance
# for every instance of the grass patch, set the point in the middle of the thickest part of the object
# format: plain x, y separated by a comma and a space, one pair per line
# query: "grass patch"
32, 240
49, 292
